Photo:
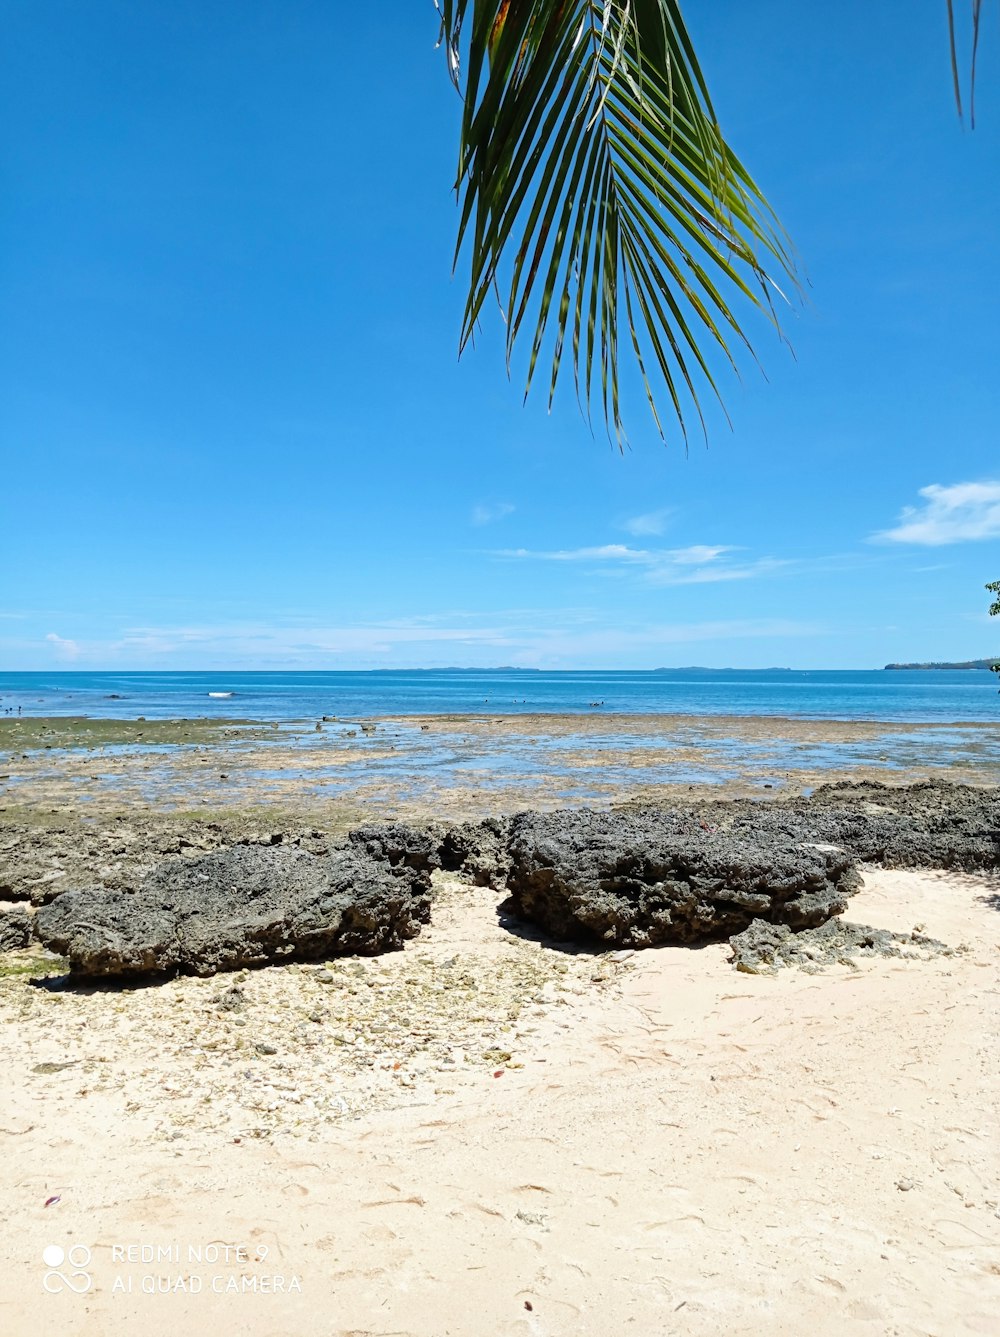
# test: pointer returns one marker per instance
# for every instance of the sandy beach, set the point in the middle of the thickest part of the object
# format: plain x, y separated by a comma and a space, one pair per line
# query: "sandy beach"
670, 1147
489, 1131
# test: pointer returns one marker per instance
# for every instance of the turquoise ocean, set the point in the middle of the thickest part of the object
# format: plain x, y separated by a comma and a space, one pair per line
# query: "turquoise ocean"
931, 696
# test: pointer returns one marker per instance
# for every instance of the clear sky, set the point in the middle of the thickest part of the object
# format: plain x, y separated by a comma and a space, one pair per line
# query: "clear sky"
235, 432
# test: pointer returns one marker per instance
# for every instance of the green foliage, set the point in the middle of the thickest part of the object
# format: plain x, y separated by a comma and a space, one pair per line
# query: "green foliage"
994, 588
592, 164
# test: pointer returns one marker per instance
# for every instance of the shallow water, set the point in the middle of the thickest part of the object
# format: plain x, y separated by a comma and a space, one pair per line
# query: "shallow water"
574, 763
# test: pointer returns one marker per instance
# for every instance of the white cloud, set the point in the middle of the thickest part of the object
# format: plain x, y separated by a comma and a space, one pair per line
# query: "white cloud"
632, 645
488, 514
653, 522
299, 642
708, 575
958, 513
64, 648
698, 564
528, 637
608, 552
699, 554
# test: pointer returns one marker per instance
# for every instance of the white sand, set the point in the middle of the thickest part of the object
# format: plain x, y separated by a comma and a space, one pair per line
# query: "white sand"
685, 1150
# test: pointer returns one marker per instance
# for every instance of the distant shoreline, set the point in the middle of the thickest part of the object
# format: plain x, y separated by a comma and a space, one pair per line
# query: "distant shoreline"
987, 664
11, 679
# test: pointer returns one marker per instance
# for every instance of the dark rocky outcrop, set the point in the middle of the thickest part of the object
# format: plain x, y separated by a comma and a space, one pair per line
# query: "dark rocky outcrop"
635, 880
246, 906
478, 850
240, 893
931, 825
15, 929
763, 948
398, 845
42, 859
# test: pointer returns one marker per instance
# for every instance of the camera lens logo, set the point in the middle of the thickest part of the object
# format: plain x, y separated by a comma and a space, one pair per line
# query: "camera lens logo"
76, 1279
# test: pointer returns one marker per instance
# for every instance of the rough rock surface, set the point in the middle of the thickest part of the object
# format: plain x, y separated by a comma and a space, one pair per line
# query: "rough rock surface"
763, 948
246, 906
478, 850
935, 824
634, 880
722, 863
42, 859
15, 929
930, 825
398, 845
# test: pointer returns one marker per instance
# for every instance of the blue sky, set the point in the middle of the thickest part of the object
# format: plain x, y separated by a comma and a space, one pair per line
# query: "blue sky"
236, 433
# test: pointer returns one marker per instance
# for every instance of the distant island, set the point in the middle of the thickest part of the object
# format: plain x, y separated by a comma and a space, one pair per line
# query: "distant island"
966, 664
704, 668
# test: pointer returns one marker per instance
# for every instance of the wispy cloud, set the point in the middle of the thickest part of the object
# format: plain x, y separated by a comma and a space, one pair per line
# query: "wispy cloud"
698, 564
635, 645
309, 642
957, 513
698, 553
653, 522
65, 649
488, 514
527, 637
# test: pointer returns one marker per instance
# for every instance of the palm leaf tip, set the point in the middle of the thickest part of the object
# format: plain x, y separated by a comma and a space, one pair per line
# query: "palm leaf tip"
600, 200
976, 21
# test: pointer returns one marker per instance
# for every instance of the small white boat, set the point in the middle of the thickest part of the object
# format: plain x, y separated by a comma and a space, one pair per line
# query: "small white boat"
221, 693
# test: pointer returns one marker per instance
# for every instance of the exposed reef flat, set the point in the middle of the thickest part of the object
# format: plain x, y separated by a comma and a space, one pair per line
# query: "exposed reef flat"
335, 772
83, 732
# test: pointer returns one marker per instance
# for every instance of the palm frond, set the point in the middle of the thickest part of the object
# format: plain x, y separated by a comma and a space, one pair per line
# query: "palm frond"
596, 190
976, 16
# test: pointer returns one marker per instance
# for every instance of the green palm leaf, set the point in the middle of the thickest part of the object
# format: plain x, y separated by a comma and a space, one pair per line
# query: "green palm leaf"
592, 165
